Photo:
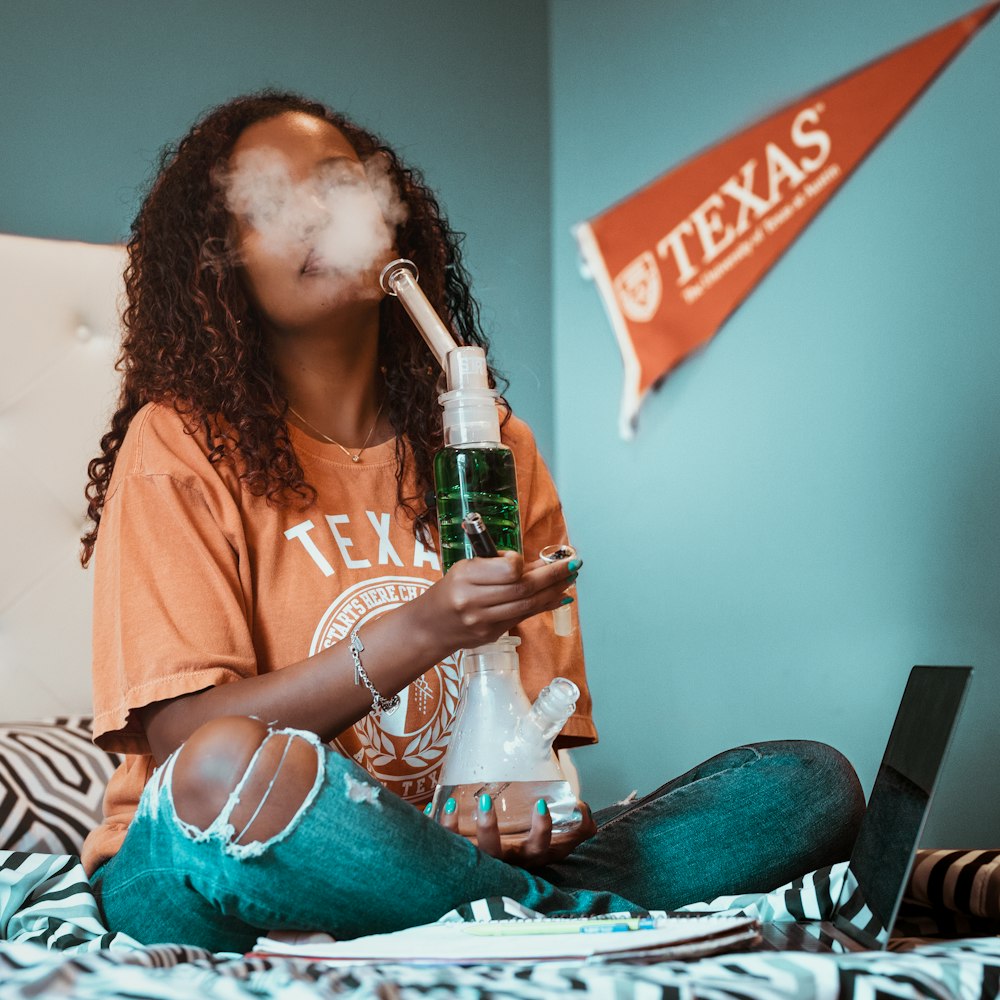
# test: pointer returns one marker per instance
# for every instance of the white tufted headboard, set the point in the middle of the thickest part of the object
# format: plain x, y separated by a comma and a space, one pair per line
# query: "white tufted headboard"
59, 332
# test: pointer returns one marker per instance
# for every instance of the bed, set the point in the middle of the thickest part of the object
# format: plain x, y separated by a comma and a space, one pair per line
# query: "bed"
58, 309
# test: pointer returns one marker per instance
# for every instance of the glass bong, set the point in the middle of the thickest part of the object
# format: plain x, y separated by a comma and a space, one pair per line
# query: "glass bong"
500, 743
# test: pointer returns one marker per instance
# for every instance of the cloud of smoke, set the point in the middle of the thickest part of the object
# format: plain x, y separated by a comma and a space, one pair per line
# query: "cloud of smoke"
339, 222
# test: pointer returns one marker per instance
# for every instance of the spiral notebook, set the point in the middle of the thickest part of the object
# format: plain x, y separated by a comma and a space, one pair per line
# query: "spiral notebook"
661, 937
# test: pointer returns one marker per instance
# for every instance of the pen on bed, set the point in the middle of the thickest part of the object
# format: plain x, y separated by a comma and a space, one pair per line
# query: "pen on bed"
522, 928
479, 535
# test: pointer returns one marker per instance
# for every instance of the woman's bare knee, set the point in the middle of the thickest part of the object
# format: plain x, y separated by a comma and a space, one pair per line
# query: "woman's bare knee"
274, 773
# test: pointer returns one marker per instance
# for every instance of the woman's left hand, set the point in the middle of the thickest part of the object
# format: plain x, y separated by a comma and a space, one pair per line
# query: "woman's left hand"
538, 848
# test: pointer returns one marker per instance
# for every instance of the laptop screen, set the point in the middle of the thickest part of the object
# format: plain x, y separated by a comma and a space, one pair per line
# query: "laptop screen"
899, 802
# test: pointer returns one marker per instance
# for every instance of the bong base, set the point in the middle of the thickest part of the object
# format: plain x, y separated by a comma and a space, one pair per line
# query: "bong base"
515, 803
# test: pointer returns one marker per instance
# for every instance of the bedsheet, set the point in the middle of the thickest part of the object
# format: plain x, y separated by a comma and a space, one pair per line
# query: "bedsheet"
967, 970
54, 944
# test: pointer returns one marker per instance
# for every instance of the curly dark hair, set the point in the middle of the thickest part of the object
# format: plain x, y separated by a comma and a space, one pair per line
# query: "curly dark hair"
192, 338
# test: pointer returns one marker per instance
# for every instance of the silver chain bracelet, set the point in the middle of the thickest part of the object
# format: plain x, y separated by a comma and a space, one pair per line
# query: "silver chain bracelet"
380, 704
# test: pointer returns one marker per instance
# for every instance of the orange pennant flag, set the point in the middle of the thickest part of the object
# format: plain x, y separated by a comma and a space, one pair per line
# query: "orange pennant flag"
675, 259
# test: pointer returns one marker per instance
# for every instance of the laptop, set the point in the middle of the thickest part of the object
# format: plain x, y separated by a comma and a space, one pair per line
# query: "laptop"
883, 854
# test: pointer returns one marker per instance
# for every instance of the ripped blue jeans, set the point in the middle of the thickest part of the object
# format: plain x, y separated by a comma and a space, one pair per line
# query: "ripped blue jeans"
356, 859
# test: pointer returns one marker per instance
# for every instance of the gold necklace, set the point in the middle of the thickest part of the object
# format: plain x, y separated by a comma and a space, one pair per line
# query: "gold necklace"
354, 457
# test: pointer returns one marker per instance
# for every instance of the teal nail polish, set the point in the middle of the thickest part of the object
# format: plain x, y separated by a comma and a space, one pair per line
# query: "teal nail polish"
542, 807
572, 577
566, 600
485, 802
450, 806
427, 808
574, 565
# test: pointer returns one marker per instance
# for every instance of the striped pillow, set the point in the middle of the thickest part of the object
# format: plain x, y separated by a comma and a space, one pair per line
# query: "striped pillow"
52, 781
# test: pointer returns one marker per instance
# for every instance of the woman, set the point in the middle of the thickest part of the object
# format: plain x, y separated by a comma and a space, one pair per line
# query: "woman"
261, 496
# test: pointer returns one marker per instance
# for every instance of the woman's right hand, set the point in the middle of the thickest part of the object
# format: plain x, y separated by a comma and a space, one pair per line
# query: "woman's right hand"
478, 600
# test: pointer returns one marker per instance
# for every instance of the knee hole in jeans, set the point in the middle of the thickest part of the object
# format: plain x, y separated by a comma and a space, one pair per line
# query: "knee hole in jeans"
270, 774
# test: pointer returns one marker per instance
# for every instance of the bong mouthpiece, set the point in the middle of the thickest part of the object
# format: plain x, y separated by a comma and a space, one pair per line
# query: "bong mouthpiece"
399, 278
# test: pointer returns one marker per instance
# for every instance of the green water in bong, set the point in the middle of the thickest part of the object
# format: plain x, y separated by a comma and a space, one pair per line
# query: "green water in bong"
475, 479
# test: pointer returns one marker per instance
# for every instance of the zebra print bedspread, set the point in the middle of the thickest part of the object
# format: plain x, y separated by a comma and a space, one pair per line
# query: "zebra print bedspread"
56, 945
968, 970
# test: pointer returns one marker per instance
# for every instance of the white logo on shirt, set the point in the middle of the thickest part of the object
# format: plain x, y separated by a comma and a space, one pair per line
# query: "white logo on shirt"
311, 539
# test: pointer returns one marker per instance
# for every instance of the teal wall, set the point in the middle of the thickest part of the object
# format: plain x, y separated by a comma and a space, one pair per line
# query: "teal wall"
91, 91
811, 503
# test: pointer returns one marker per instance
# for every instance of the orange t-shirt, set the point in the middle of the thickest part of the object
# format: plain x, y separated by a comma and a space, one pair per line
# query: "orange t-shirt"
198, 583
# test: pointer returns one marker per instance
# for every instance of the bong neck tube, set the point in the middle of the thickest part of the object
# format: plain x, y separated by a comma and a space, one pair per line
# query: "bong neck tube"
470, 411
399, 278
